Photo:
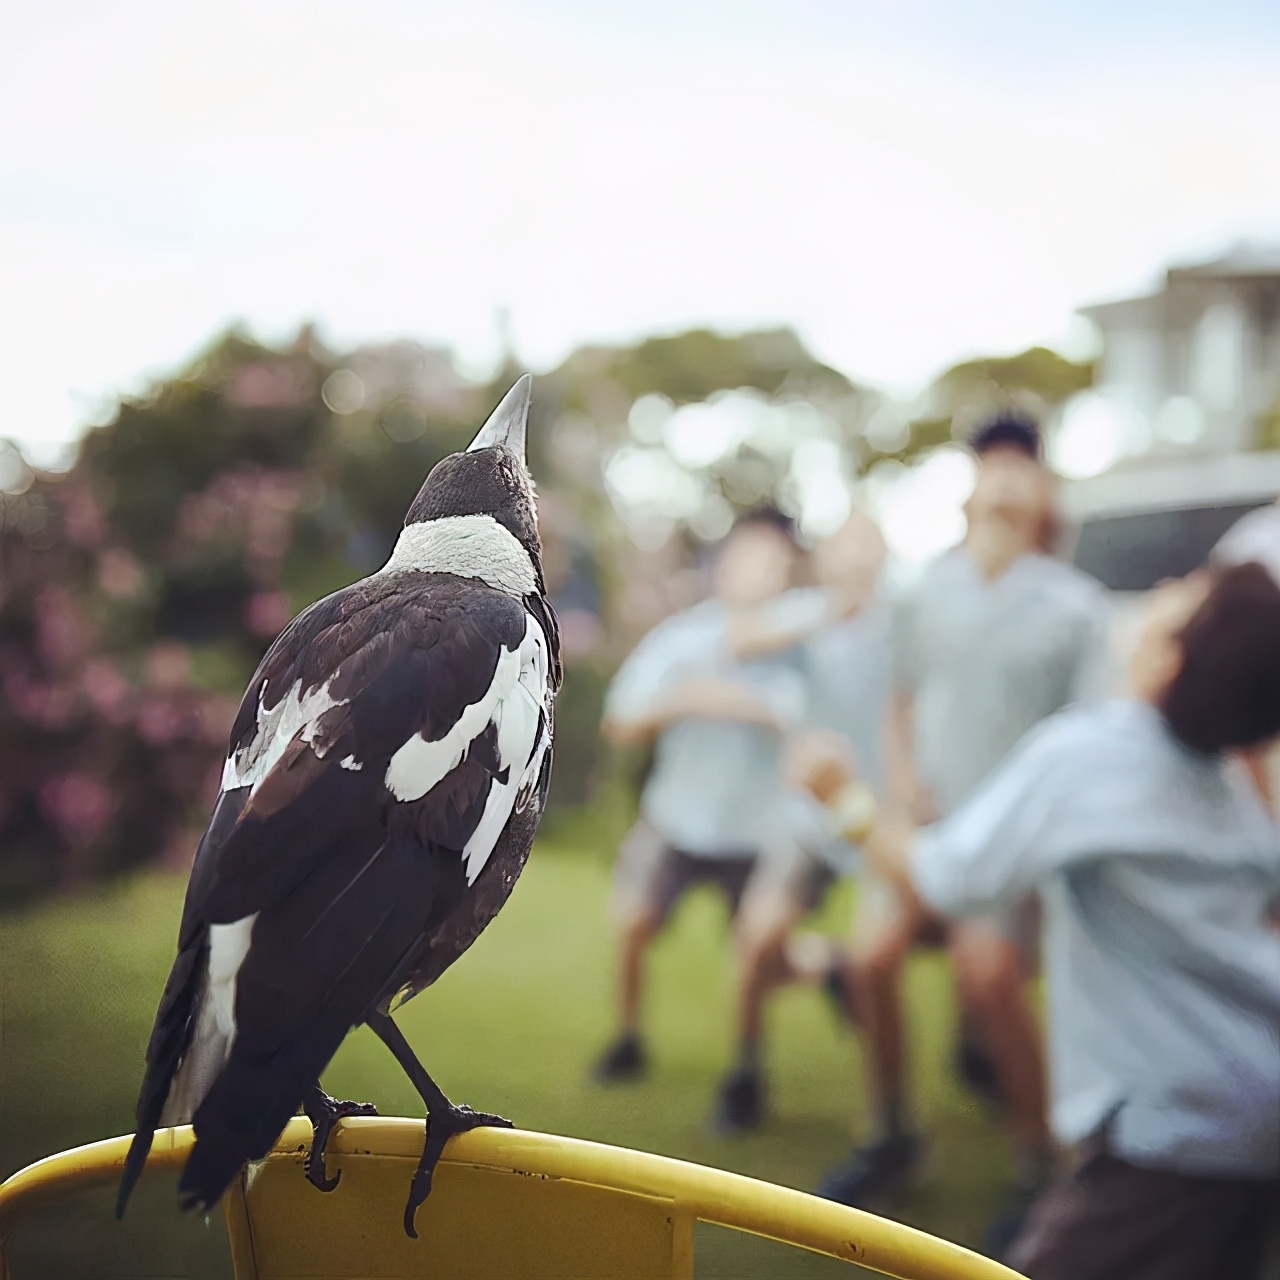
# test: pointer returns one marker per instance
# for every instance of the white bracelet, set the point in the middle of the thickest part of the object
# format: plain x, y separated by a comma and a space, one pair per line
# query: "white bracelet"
855, 810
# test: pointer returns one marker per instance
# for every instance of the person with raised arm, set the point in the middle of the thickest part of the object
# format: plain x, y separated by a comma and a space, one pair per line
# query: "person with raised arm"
715, 725
841, 644
994, 636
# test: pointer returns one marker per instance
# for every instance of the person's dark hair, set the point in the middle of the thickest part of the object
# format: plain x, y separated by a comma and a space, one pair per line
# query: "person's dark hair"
1228, 692
771, 517
1008, 430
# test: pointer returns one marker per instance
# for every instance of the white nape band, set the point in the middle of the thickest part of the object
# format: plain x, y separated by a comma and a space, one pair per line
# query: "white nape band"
468, 546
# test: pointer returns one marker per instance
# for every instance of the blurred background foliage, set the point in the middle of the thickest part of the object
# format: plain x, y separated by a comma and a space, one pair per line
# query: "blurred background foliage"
139, 588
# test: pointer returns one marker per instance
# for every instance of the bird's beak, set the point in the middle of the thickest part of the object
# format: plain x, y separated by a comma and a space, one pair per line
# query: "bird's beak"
507, 422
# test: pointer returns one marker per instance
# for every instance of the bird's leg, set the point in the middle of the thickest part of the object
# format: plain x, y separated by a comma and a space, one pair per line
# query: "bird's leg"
444, 1118
324, 1112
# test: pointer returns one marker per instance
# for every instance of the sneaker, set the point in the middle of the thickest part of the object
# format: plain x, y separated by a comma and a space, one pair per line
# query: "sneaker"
740, 1103
839, 991
1019, 1196
975, 1068
873, 1171
624, 1060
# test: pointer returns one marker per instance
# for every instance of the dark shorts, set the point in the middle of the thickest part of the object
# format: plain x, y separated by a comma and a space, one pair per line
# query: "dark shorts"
793, 878
652, 876
1107, 1219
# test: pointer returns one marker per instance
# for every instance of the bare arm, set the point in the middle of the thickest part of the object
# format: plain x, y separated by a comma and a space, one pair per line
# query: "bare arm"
757, 633
704, 698
887, 848
822, 763
903, 792
1263, 766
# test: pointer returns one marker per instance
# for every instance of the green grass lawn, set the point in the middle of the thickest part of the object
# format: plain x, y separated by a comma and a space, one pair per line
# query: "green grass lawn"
511, 1028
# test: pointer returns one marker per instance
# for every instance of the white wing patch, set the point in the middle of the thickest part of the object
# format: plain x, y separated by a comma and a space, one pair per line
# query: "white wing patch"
516, 704
296, 713
228, 946
523, 722
420, 764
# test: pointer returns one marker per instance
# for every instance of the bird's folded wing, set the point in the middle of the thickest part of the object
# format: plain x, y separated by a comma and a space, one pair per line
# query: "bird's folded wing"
389, 713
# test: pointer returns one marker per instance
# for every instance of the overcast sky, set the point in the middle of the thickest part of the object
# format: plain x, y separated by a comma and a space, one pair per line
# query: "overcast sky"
906, 183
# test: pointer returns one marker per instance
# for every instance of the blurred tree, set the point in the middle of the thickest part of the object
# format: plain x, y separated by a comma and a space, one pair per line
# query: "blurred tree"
689, 367
1036, 380
674, 495
105, 747
1039, 371
138, 591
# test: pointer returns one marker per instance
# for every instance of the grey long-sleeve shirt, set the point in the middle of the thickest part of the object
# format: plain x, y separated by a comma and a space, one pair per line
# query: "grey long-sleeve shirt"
1156, 868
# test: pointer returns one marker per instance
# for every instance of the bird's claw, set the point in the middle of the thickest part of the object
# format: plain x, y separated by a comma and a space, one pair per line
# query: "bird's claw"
323, 1118
443, 1124
482, 1120
316, 1175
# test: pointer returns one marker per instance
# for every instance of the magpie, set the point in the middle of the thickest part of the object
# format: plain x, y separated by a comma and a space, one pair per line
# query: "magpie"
385, 777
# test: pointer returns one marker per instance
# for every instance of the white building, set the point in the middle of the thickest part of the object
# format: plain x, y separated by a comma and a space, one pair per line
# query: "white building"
1196, 365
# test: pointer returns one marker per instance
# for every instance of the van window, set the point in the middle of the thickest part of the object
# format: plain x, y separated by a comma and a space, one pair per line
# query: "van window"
1134, 552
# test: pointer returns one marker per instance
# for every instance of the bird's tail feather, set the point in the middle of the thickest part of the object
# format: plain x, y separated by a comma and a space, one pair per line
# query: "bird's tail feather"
248, 1106
169, 1040
205, 1056
338, 940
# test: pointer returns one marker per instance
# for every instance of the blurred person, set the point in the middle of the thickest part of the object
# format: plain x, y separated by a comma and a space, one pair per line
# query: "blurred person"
841, 640
715, 725
1157, 864
995, 636
1256, 536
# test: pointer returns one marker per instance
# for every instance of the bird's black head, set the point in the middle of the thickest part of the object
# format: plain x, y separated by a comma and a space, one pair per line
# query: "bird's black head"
490, 478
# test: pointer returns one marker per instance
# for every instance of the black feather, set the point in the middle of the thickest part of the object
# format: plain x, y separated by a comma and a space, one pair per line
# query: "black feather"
319, 962
169, 1040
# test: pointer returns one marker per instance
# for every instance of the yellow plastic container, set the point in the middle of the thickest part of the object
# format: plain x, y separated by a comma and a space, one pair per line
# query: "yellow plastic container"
506, 1203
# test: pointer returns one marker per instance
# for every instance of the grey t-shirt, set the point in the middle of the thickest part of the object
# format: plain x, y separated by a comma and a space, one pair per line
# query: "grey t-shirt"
847, 675
712, 781
1156, 868
846, 679
987, 661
